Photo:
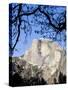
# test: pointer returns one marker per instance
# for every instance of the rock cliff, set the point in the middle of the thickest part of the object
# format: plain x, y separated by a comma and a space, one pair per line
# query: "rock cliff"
44, 56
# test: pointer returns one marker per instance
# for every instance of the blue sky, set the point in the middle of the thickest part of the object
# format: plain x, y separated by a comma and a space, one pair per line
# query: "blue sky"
25, 42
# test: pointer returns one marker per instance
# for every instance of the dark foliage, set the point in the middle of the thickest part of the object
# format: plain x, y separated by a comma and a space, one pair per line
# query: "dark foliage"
16, 80
61, 79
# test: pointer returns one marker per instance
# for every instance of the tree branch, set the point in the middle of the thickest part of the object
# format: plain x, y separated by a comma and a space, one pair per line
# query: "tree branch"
24, 14
12, 48
50, 22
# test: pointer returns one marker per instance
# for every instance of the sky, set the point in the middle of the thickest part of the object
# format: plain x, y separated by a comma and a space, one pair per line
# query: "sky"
25, 42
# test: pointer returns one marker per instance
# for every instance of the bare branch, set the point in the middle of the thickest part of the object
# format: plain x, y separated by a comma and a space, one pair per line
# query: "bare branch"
50, 22
12, 48
25, 14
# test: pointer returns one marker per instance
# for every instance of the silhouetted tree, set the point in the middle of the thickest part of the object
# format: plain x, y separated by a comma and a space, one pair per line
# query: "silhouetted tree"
51, 20
62, 78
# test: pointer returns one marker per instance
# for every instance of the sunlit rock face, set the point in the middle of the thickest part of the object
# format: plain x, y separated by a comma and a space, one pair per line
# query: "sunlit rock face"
48, 56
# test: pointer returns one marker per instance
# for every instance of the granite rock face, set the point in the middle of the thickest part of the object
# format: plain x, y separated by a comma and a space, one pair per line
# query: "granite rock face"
45, 59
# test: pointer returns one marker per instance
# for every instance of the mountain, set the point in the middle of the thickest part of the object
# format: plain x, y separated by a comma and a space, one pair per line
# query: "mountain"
44, 55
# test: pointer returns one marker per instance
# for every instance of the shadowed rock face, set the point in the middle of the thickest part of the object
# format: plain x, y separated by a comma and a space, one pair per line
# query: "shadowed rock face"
45, 59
